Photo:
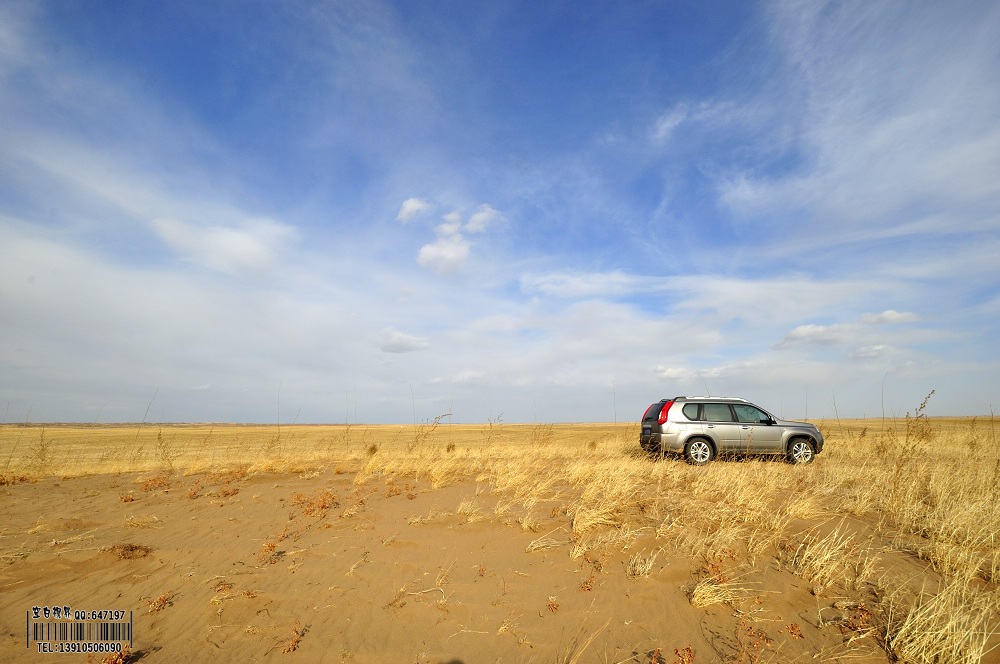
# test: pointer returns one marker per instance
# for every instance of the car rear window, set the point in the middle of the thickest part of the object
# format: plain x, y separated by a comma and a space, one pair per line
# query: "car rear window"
652, 412
691, 411
717, 412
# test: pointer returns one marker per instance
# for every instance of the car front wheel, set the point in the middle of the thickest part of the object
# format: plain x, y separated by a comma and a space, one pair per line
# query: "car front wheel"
800, 452
698, 452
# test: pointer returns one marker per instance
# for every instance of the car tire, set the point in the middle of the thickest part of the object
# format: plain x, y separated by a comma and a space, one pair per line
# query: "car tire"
698, 452
801, 452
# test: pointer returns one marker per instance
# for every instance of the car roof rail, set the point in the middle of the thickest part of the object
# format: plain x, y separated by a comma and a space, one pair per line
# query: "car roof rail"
718, 398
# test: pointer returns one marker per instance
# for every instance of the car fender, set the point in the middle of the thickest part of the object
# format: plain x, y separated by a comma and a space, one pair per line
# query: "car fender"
789, 436
682, 440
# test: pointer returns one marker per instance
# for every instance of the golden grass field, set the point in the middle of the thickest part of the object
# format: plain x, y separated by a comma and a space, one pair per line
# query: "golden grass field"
504, 543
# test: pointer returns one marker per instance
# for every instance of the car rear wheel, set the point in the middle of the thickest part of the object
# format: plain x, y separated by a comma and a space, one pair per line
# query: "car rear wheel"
698, 452
801, 451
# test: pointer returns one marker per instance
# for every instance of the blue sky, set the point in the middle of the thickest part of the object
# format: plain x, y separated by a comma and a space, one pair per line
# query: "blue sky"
552, 211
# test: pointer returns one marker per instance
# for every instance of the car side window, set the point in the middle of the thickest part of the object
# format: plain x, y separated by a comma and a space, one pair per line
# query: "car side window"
717, 412
750, 415
691, 411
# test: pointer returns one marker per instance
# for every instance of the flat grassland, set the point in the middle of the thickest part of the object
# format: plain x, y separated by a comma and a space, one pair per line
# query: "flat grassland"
504, 543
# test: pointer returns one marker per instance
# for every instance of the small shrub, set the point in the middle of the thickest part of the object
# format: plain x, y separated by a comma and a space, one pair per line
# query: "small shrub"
293, 644
126, 551
267, 553
163, 601
158, 482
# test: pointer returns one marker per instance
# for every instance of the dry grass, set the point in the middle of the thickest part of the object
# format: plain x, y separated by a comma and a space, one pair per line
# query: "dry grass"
128, 551
952, 625
915, 489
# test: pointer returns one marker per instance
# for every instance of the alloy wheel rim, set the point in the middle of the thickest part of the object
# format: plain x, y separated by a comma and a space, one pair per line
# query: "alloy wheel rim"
700, 452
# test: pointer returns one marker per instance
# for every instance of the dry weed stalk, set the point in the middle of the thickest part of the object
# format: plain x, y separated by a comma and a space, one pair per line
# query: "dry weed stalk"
544, 543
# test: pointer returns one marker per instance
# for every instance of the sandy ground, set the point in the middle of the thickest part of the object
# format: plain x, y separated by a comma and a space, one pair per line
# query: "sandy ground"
313, 567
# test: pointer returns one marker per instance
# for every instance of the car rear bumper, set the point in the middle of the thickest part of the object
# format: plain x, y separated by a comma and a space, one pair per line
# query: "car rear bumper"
659, 442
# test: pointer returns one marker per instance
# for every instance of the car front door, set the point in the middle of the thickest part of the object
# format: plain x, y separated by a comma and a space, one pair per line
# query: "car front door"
757, 435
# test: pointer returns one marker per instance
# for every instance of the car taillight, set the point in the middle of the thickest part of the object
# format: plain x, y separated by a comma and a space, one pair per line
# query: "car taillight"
664, 411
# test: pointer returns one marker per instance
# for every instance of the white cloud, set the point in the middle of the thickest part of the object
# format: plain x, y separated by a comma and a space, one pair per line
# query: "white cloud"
393, 341
451, 250
446, 254
452, 223
890, 316
814, 335
483, 218
226, 249
411, 209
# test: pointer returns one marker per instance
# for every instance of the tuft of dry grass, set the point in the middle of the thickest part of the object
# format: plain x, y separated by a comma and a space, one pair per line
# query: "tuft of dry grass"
823, 561
640, 566
142, 521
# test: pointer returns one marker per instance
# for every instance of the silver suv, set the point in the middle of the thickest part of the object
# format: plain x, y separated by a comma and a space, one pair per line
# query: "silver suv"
702, 427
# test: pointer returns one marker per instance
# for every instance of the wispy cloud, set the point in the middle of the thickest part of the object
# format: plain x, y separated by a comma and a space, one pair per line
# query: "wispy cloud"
590, 284
668, 122
856, 334
251, 247
890, 316
895, 114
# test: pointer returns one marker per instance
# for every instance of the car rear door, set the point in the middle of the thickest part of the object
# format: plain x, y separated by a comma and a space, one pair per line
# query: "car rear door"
721, 426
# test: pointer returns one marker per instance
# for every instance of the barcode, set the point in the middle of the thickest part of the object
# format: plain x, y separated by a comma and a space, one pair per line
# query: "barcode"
81, 631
